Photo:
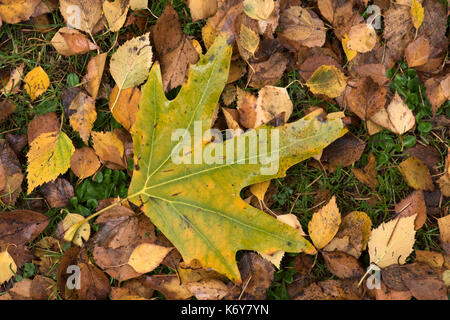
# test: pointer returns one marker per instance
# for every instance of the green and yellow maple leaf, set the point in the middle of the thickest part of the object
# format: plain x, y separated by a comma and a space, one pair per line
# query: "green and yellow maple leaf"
198, 206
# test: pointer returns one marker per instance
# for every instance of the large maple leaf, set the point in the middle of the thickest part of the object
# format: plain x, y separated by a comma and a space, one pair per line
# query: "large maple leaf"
198, 206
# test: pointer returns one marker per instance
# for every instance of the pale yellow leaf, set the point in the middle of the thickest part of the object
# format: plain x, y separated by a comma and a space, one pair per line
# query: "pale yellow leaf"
82, 233
130, 64
202, 9
138, 4
147, 256
248, 39
6, 265
392, 242
115, 13
327, 80
259, 9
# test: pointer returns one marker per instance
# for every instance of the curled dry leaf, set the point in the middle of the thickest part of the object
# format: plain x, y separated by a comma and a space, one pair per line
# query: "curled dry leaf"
416, 174
69, 42
324, 224
444, 181
83, 232
36, 82
84, 162
12, 86
93, 77
48, 157
392, 242
82, 115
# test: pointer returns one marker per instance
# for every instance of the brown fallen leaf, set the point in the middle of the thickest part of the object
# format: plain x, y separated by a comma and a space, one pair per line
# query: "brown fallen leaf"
398, 30
268, 72
310, 65
174, 50
83, 15
84, 162
7, 107
47, 255
353, 234
340, 14
42, 124
342, 264
20, 227
126, 106
444, 232
432, 258
428, 154
367, 175
444, 181
57, 193
17, 141
435, 93
385, 293
417, 52
331, 290
416, 174
110, 149
168, 285
343, 152
94, 73
414, 204
20, 291
208, 289
366, 98
301, 27
423, 282
69, 42
43, 288
82, 115
11, 175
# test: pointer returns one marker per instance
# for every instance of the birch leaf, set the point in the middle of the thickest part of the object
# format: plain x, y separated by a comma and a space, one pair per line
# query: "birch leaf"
36, 82
324, 224
48, 157
147, 256
327, 80
417, 14
82, 115
392, 242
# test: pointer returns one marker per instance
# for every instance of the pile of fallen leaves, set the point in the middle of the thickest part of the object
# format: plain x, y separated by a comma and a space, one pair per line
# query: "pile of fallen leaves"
176, 230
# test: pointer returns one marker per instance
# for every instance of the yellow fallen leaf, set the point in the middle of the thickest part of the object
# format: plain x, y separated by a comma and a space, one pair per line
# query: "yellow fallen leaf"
248, 39
82, 115
444, 228
362, 38
324, 224
259, 9
327, 80
417, 14
115, 13
138, 4
416, 174
6, 265
94, 74
48, 157
260, 189
147, 256
109, 148
392, 242
126, 106
350, 54
15, 11
82, 233
36, 82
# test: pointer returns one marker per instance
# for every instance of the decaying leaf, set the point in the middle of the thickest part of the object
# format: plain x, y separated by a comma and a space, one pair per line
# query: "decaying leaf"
414, 204
69, 42
362, 38
342, 264
57, 193
418, 52
82, 14
392, 242
11, 175
343, 152
94, 74
259, 9
82, 115
368, 174
208, 289
196, 239
416, 174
